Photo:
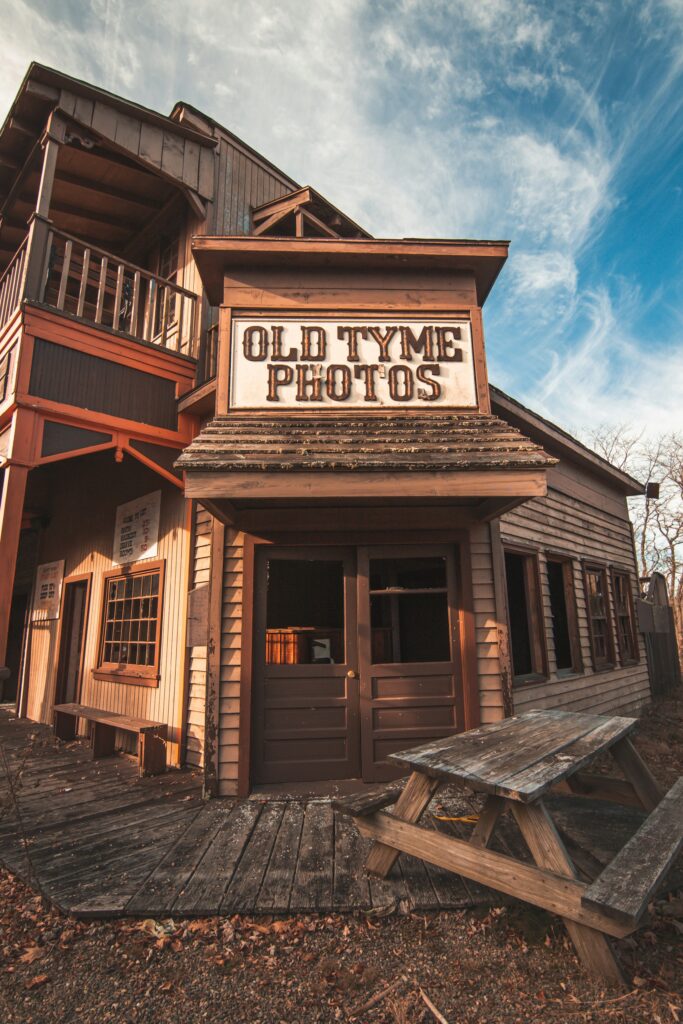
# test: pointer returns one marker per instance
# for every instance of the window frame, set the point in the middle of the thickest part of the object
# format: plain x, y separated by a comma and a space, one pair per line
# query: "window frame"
611, 662
569, 581
139, 675
625, 575
538, 644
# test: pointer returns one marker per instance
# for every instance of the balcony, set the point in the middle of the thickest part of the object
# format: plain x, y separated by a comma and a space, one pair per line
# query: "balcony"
64, 273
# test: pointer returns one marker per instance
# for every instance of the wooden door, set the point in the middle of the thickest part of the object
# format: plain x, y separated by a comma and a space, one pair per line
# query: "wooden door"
74, 611
306, 706
409, 651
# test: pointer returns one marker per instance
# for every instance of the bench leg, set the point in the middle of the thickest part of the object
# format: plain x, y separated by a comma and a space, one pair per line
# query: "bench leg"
418, 791
152, 752
637, 773
65, 726
102, 739
547, 849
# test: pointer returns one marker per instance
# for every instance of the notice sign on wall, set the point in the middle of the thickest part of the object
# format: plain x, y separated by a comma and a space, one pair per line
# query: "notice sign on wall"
48, 593
136, 531
354, 363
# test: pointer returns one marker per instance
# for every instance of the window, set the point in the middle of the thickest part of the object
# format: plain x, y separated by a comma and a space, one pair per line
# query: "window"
623, 608
597, 602
563, 611
527, 647
304, 612
409, 610
131, 625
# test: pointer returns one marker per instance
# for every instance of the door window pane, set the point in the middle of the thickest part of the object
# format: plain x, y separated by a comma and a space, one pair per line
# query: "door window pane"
409, 610
304, 612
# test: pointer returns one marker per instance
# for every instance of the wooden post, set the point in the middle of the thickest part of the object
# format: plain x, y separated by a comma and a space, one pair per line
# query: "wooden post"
213, 666
493, 807
548, 851
637, 773
223, 360
502, 629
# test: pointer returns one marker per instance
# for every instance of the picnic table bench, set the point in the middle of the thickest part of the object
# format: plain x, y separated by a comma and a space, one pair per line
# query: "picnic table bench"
152, 736
516, 763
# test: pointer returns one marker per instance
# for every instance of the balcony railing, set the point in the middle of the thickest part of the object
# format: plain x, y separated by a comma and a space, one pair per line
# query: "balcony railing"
12, 284
67, 274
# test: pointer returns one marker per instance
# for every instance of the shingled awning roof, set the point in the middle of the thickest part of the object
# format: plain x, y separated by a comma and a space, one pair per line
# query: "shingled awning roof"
357, 443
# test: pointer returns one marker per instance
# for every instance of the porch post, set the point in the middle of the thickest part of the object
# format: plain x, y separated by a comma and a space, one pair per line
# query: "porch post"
39, 224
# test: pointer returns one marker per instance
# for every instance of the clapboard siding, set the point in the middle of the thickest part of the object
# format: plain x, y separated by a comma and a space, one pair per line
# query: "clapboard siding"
486, 625
231, 663
578, 519
196, 699
80, 501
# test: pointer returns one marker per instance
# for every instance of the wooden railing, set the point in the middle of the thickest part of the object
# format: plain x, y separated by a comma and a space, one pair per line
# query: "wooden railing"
100, 288
12, 284
207, 357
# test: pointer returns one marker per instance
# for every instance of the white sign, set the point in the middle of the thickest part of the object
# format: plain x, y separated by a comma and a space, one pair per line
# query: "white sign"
48, 593
136, 531
354, 363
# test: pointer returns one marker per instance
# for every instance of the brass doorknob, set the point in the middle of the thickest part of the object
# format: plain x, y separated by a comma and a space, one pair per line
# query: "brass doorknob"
351, 674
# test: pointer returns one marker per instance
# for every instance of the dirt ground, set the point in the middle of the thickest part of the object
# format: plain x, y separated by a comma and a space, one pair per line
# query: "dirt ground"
508, 964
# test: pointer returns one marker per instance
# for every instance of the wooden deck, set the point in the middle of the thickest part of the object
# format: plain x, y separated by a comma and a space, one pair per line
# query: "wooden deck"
100, 842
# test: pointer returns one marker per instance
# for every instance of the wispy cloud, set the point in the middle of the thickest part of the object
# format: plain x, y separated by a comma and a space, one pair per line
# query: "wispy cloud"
479, 118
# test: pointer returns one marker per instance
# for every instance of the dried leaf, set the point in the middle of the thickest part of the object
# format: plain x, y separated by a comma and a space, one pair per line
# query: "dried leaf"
32, 954
39, 979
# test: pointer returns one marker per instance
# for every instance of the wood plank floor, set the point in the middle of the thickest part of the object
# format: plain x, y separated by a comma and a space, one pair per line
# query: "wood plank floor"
100, 842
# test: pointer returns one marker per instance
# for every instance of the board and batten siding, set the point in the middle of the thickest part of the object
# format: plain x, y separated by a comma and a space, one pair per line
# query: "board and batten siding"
231, 663
81, 531
196, 696
584, 519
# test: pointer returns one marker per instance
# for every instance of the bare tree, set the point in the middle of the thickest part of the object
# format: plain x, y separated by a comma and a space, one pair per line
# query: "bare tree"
657, 522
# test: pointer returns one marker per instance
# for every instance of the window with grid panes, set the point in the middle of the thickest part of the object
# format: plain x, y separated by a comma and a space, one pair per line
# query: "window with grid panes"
131, 622
623, 608
598, 617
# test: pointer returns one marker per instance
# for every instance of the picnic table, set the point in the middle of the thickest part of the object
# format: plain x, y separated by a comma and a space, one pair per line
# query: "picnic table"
516, 763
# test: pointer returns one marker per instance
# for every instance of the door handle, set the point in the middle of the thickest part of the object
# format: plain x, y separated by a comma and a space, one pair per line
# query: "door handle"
351, 674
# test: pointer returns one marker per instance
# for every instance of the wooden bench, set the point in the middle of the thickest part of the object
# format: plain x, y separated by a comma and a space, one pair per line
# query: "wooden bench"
151, 735
624, 889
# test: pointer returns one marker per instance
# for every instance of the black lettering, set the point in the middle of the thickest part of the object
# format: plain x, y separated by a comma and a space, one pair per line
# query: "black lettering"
424, 344
401, 383
367, 373
332, 371
351, 336
248, 344
307, 336
383, 341
278, 354
445, 344
421, 374
309, 376
278, 376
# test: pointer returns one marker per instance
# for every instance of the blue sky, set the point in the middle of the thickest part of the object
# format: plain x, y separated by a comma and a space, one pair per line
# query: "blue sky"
556, 125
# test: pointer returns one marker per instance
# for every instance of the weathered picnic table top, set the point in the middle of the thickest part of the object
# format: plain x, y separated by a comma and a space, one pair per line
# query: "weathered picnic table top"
521, 757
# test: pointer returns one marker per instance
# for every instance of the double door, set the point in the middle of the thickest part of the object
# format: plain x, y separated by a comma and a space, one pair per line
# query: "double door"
357, 655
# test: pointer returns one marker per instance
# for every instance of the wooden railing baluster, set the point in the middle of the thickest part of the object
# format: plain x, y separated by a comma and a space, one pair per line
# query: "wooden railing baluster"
135, 303
64, 279
104, 265
85, 271
117, 296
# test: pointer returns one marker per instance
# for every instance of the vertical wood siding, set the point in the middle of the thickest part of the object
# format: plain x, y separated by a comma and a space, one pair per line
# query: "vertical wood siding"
243, 183
81, 498
196, 698
581, 518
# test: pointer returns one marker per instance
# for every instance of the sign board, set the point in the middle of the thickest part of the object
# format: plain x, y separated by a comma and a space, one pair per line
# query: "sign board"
351, 363
136, 531
48, 593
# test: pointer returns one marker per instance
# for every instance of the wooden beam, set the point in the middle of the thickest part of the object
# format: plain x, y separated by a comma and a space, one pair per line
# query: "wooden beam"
100, 188
410, 806
9, 163
20, 126
488, 819
149, 231
221, 510
213, 675
468, 483
505, 874
637, 773
493, 508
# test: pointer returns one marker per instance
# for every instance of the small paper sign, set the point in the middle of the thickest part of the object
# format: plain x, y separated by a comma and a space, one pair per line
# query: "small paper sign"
48, 592
136, 531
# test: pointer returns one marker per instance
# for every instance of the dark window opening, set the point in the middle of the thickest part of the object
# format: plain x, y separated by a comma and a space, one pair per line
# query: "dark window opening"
304, 612
131, 622
558, 579
409, 610
524, 615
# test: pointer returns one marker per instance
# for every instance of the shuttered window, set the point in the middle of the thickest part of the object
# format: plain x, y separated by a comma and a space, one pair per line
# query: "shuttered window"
623, 609
525, 617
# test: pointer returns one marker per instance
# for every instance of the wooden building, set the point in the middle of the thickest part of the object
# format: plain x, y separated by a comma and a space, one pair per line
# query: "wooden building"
255, 482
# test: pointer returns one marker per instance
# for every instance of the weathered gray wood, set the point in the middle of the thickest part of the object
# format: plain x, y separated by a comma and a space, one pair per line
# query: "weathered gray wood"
350, 885
312, 887
277, 881
413, 801
243, 890
627, 884
370, 800
637, 773
521, 757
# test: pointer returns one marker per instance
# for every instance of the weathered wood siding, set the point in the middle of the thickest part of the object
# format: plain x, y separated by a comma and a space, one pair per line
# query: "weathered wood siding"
196, 698
231, 663
80, 497
585, 519
491, 704
243, 182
